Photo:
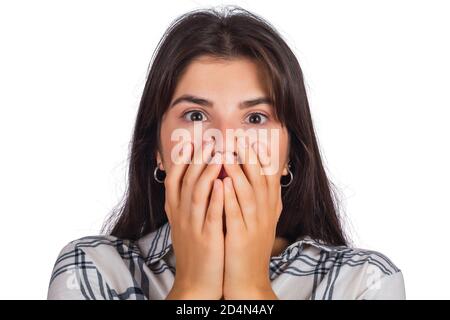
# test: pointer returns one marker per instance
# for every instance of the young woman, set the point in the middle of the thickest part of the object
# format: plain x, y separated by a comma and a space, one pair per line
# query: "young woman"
214, 209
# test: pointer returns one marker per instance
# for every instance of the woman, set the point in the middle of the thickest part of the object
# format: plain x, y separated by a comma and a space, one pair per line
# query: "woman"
227, 196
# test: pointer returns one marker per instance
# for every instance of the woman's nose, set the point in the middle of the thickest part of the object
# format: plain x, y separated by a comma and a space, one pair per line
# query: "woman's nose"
225, 134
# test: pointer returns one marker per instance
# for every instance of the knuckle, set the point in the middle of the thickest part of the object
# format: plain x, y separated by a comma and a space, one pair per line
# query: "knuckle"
197, 198
188, 180
169, 181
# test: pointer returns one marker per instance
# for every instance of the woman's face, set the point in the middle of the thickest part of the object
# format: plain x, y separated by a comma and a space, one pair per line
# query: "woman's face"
221, 99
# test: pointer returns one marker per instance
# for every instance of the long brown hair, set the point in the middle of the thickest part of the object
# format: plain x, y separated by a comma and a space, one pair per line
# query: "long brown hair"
309, 205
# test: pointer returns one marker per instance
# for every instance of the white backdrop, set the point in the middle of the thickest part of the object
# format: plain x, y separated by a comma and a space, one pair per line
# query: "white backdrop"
71, 76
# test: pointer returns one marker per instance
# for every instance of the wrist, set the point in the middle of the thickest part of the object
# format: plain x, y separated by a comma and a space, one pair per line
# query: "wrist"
191, 293
249, 293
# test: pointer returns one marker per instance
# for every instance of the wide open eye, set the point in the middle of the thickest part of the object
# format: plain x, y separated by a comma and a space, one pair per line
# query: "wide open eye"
257, 118
194, 115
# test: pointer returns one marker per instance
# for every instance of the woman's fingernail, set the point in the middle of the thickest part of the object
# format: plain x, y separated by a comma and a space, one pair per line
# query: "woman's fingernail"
217, 159
209, 143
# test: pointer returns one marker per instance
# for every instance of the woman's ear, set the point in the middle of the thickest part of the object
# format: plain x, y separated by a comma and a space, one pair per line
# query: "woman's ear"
285, 170
159, 160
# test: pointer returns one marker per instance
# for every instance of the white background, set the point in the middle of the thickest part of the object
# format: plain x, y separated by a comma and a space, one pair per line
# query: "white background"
377, 75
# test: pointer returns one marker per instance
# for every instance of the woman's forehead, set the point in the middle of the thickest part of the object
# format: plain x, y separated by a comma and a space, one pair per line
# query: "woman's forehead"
210, 77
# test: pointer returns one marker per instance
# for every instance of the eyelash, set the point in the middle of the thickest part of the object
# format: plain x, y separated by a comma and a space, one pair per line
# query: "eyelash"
183, 116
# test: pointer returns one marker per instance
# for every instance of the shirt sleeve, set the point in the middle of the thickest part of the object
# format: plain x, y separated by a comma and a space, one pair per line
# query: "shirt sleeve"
75, 277
388, 287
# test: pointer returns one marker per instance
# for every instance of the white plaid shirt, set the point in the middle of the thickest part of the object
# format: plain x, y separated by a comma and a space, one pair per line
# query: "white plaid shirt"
106, 267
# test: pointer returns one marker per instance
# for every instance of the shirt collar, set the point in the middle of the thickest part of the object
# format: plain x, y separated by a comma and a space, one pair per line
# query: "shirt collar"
155, 245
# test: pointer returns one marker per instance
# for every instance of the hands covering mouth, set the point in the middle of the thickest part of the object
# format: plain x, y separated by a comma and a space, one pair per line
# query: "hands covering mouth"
223, 173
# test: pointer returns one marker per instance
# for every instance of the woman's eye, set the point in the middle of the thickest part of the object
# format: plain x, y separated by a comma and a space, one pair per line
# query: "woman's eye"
194, 115
257, 118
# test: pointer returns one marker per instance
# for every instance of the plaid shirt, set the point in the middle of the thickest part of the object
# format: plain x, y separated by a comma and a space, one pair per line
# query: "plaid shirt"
106, 267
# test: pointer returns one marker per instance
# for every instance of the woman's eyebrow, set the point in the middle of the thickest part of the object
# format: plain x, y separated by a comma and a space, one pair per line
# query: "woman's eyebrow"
206, 103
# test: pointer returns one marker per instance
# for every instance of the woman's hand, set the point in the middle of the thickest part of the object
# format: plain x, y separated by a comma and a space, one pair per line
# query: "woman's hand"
196, 223
252, 209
